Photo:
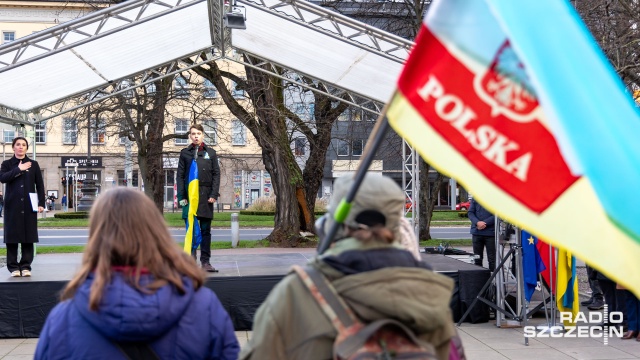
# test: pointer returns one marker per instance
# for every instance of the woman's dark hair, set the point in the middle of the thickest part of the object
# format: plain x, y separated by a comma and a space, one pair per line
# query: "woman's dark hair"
19, 138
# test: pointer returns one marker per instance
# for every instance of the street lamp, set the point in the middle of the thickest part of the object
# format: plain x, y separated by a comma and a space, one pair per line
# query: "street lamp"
73, 164
89, 189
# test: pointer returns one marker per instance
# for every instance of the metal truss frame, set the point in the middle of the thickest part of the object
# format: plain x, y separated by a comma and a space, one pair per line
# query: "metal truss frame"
41, 41
269, 67
337, 26
411, 182
124, 85
134, 12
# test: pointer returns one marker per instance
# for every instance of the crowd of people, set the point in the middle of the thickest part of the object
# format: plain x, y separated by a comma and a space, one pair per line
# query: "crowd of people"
138, 295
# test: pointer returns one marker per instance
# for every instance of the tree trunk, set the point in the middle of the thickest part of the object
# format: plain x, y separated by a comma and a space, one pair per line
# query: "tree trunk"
154, 183
427, 199
150, 151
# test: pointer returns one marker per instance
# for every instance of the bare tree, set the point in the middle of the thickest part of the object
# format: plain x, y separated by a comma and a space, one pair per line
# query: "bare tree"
271, 121
142, 116
614, 25
402, 18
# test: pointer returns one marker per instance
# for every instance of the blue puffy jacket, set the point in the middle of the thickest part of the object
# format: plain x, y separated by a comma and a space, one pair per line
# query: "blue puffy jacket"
189, 326
478, 213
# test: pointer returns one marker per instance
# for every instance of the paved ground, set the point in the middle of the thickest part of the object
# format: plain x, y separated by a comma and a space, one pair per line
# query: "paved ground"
481, 342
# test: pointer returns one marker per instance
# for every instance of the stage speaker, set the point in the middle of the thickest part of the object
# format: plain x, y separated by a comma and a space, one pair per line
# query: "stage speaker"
234, 21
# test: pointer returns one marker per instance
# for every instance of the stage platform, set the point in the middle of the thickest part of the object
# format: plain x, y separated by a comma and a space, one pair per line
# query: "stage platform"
244, 279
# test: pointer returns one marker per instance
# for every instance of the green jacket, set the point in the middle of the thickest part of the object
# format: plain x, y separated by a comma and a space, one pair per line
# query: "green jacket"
290, 324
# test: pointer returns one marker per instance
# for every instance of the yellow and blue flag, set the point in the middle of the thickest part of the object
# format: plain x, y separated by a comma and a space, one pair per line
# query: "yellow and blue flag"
515, 101
193, 238
567, 286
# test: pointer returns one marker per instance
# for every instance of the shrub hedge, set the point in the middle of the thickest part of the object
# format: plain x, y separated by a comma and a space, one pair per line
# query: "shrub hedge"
72, 215
269, 213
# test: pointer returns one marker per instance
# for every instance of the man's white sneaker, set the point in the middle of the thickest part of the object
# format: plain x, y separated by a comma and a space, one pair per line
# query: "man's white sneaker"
16, 273
26, 273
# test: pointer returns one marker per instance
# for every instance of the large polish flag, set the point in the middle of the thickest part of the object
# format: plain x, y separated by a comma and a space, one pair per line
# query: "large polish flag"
516, 101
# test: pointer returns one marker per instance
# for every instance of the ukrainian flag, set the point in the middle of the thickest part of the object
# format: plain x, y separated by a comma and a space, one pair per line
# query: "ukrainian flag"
567, 286
193, 237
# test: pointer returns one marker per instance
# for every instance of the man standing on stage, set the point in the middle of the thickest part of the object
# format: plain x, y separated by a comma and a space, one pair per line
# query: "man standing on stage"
483, 233
206, 178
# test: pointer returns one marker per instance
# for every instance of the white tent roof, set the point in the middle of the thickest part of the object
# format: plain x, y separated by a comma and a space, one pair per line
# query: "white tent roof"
104, 48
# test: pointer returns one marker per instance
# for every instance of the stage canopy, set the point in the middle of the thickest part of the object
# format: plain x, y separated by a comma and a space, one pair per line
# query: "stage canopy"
136, 42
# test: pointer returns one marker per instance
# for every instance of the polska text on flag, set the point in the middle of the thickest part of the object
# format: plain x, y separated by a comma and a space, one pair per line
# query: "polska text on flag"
479, 99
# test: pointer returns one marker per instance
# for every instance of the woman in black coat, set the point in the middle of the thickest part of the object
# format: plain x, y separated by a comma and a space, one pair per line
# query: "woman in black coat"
22, 176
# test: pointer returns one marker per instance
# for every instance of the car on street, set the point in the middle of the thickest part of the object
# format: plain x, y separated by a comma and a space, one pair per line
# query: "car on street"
463, 205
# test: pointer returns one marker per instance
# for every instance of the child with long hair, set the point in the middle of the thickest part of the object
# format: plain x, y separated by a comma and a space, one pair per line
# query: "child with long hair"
136, 293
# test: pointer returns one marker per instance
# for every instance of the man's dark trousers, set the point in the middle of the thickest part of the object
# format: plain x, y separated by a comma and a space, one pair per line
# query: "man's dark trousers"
205, 245
479, 243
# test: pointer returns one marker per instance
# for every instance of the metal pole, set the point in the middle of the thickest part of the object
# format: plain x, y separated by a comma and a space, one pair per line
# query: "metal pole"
4, 157
499, 279
376, 137
235, 230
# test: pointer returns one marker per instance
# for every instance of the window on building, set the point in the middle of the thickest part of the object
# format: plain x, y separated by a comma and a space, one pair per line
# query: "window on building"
368, 116
182, 126
210, 132
210, 90
300, 109
343, 148
69, 131
127, 84
98, 131
312, 111
238, 136
236, 91
151, 88
351, 115
181, 87
8, 36
8, 136
122, 131
344, 116
357, 146
41, 132
300, 146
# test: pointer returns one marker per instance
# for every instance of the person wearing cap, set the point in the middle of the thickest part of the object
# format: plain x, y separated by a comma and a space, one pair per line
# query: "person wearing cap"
371, 272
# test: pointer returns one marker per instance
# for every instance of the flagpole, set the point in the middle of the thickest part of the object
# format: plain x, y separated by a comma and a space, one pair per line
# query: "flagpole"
551, 326
342, 211
522, 301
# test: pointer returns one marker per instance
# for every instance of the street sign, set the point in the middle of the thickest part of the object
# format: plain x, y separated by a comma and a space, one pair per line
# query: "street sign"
71, 164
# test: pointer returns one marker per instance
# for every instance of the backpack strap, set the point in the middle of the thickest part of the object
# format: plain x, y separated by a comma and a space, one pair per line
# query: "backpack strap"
327, 297
137, 351
350, 345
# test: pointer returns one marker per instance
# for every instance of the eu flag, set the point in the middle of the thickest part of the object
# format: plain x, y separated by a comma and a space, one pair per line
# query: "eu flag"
193, 238
531, 263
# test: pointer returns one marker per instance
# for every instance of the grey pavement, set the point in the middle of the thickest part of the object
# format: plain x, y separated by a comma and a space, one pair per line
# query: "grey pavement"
481, 341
